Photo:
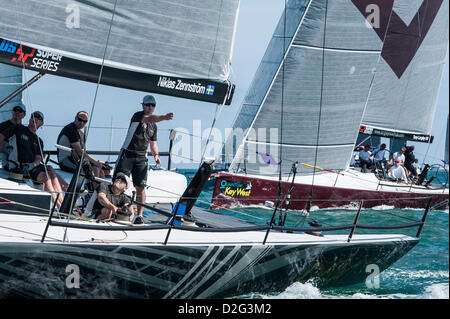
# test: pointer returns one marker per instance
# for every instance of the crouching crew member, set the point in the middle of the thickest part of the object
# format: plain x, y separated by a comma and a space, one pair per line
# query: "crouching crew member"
111, 199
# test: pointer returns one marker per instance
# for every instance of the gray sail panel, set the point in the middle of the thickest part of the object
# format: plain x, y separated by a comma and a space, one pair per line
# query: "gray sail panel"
345, 29
265, 73
404, 94
188, 38
10, 80
320, 83
339, 100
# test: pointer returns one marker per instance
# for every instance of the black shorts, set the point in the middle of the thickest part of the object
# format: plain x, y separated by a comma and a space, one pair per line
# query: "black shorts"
36, 171
68, 165
135, 165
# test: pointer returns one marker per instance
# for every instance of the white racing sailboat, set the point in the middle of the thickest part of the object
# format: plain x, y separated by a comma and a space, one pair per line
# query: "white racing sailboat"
346, 67
43, 252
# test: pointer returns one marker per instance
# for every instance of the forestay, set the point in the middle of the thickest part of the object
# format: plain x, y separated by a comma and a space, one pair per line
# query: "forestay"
313, 95
403, 100
175, 47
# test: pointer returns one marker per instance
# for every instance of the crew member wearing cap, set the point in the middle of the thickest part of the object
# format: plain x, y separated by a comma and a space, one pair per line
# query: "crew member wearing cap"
18, 113
71, 136
111, 199
133, 157
26, 154
397, 172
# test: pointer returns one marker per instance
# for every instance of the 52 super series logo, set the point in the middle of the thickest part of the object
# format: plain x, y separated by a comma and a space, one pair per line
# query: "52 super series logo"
30, 57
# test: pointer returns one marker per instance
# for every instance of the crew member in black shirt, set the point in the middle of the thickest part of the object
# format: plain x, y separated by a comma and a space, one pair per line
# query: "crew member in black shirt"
71, 136
18, 113
26, 153
410, 159
133, 157
111, 199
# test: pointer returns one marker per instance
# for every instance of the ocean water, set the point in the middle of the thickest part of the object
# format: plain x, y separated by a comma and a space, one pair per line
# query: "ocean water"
423, 273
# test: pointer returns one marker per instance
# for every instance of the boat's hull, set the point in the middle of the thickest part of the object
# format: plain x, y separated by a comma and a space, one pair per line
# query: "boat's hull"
256, 191
35, 270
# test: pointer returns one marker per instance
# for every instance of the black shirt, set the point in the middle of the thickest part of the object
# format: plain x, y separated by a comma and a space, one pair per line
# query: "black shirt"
69, 135
116, 200
27, 142
139, 134
5, 125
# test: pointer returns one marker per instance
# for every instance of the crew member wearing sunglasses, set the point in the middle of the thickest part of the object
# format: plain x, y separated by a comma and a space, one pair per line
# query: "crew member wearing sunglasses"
18, 113
73, 137
26, 154
133, 157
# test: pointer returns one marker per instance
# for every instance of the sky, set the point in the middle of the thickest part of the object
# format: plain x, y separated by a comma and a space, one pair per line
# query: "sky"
60, 98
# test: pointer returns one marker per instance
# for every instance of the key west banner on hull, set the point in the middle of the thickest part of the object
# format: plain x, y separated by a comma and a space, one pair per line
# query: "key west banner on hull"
176, 48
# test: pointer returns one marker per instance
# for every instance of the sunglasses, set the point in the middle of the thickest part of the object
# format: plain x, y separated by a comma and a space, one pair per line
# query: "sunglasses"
37, 117
122, 179
18, 109
150, 104
81, 120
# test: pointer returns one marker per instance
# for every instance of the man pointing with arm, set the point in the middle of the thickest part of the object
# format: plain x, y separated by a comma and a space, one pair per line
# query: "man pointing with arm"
133, 160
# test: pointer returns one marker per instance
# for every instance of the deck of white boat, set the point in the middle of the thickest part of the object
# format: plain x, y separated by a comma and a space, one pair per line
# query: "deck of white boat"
20, 229
163, 186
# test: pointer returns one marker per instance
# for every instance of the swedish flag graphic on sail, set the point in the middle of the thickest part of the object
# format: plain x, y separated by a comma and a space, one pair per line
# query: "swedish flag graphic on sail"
210, 90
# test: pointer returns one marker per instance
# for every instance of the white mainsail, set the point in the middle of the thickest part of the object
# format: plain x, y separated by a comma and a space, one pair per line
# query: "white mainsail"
185, 45
313, 94
10, 80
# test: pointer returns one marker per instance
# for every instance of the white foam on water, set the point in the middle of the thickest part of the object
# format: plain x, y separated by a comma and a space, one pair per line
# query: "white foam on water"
309, 291
383, 207
436, 291
299, 291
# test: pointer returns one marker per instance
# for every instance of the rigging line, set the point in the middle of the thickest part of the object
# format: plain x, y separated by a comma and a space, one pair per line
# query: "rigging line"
219, 108
413, 60
321, 102
280, 191
374, 74
86, 131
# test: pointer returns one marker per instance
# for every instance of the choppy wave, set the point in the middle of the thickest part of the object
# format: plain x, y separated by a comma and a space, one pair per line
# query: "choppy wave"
309, 291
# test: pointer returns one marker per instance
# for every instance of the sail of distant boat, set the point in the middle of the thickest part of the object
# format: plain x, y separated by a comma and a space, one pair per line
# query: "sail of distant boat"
10, 80
314, 93
403, 99
176, 48
342, 77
